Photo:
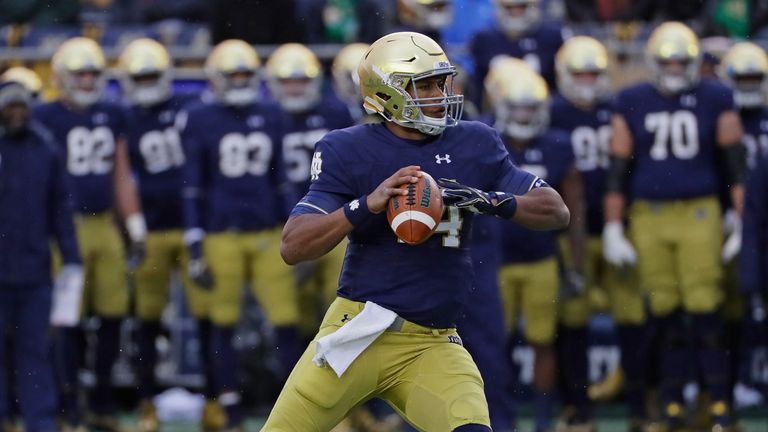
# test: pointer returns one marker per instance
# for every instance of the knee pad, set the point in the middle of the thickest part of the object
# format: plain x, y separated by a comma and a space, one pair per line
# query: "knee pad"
673, 331
472, 428
709, 331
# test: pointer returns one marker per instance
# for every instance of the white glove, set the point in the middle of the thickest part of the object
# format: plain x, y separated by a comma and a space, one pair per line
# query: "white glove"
617, 250
67, 295
732, 229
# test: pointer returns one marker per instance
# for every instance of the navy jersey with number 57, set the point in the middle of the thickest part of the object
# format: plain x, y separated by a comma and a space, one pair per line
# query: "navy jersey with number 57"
89, 138
674, 139
157, 157
590, 136
428, 283
234, 161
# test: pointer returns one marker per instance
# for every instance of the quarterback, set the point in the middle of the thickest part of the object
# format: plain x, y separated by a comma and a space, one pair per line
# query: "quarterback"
400, 302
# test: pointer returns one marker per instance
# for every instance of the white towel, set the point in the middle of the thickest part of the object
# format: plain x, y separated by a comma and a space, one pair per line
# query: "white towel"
340, 348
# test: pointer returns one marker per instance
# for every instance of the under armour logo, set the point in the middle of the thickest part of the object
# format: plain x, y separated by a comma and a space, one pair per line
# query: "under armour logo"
345, 318
440, 159
354, 205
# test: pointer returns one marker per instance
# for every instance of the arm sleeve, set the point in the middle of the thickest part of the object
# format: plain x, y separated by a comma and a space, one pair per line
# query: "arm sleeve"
509, 178
327, 173
318, 202
62, 214
192, 172
754, 244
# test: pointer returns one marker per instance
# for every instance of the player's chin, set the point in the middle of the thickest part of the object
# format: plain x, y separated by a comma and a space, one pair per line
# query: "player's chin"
437, 113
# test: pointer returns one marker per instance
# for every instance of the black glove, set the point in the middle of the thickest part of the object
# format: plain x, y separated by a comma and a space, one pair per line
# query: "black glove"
137, 251
200, 273
465, 197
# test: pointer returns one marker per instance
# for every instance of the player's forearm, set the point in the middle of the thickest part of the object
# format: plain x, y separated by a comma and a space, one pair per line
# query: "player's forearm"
542, 209
613, 204
310, 236
737, 198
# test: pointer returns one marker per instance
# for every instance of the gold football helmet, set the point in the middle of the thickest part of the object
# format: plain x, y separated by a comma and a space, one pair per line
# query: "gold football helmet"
745, 68
582, 70
517, 16
146, 72
426, 14
232, 69
519, 97
344, 70
392, 66
674, 56
295, 77
78, 68
26, 77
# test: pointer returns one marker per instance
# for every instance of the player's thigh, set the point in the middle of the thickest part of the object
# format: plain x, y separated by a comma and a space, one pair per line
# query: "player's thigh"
649, 231
539, 301
509, 292
315, 399
441, 389
698, 255
226, 259
273, 280
109, 287
153, 276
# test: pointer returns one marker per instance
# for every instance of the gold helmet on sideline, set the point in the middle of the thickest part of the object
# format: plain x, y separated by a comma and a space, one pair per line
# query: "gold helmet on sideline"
674, 42
426, 14
520, 99
295, 77
78, 69
344, 70
232, 69
745, 68
582, 70
393, 64
146, 72
26, 77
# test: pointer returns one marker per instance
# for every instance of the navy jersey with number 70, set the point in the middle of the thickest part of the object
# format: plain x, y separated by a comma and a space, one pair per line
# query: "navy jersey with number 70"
429, 283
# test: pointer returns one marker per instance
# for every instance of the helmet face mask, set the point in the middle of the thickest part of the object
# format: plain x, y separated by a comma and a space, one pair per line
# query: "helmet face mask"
232, 69
522, 121
674, 56
146, 72
237, 88
148, 89
84, 87
295, 77
582, 71
749, 90
403, 78
745, 68
517, 16
78, 67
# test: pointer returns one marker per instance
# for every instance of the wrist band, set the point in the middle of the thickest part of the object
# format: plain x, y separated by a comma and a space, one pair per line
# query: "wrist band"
357, 211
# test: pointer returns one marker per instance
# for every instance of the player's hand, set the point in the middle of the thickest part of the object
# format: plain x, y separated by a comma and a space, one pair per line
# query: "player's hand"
572, 284
379, 198
617, 250
732, 229
757, 308
200, 273
472, 199
136, 253
67, 296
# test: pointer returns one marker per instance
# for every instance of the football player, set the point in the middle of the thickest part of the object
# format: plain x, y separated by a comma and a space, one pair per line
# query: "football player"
405, 314
583, 110
673, 129
234, 165
346, 83
295, 80
27, 77
529, 275
156, 154
92, 136
425, 16
522, 34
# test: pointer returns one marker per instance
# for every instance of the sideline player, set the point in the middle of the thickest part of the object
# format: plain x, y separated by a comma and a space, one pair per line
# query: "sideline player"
418, 365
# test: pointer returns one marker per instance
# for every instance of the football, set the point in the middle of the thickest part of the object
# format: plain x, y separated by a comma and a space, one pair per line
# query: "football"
414, 217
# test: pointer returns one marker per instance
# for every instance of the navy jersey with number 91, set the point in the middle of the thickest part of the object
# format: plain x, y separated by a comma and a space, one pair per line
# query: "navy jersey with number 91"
428, 283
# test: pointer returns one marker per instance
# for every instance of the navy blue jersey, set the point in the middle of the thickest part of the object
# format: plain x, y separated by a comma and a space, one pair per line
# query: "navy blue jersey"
234, 160
754, 249
755, 123
590, 132
550, 157
303, 131
674, 139
537, 47
35, 207
88, 138
157, 157
428, 283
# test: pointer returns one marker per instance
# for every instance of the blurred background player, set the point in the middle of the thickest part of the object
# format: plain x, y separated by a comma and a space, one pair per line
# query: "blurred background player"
35, 207
92, 135
346, 83
427, 17
582, 109
520, 33
236, 190
672, 129
157, 158
27, 77
529, 277
295, 80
